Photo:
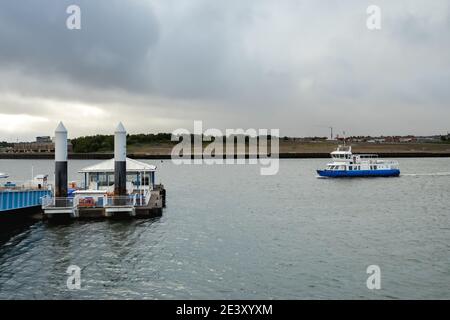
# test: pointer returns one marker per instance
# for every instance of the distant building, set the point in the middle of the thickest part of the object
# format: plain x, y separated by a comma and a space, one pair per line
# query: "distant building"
382, 139
408, 139
43, 144
43, 139
430, 139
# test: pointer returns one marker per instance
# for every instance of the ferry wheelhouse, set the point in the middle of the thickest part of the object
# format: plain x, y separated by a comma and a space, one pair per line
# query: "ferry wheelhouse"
347, 164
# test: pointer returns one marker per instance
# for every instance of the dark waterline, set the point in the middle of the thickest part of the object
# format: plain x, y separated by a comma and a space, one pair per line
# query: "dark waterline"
230, 233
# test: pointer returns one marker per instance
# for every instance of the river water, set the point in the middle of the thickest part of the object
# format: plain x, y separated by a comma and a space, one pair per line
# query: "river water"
228, 232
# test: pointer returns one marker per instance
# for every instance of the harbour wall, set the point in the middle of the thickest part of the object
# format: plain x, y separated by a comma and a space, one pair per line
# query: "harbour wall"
290, 155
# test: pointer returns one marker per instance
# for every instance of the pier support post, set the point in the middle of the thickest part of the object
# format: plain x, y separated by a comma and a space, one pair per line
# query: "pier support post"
61, 161
120, 158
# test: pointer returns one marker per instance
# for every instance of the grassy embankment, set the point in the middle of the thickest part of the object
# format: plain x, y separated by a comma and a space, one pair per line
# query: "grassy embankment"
154, 145
298, 147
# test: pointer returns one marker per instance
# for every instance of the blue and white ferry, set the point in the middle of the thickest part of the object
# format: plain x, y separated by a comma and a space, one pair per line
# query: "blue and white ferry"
347, 164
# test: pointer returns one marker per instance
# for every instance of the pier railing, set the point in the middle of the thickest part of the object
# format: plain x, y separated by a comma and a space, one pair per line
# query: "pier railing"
57, 202
142, 199
22, 187
120, 201
134, 200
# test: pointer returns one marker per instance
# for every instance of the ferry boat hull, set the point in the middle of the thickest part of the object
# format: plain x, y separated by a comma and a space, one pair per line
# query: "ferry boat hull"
358, 173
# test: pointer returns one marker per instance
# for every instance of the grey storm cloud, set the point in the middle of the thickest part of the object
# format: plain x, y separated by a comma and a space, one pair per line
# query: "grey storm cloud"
110, 51
296, 65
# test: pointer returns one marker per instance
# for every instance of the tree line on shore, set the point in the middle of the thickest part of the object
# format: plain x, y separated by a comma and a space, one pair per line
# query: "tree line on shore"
105, 143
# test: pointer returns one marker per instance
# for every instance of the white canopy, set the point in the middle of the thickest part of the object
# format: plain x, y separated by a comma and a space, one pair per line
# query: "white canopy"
108, 166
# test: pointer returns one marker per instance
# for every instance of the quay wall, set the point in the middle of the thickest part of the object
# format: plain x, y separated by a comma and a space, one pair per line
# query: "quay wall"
283, 155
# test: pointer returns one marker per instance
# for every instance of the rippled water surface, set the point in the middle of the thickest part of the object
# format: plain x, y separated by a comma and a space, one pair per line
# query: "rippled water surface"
228, 232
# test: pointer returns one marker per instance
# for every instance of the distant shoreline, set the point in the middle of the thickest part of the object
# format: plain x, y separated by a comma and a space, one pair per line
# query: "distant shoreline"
287, 150
282, 155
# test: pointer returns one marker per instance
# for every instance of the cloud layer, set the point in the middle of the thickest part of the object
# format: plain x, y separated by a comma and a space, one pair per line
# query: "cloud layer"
158, 65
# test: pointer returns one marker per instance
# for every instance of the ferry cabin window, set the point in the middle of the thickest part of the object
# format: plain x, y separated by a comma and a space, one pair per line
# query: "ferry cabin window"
110, 179
102, 180
145, 180
94, 177
132, 177
350, 168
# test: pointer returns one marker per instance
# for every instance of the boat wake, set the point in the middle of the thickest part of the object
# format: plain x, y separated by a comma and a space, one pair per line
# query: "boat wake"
433, 174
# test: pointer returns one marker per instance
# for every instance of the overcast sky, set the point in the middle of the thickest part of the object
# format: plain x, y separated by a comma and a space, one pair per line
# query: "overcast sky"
158, 65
